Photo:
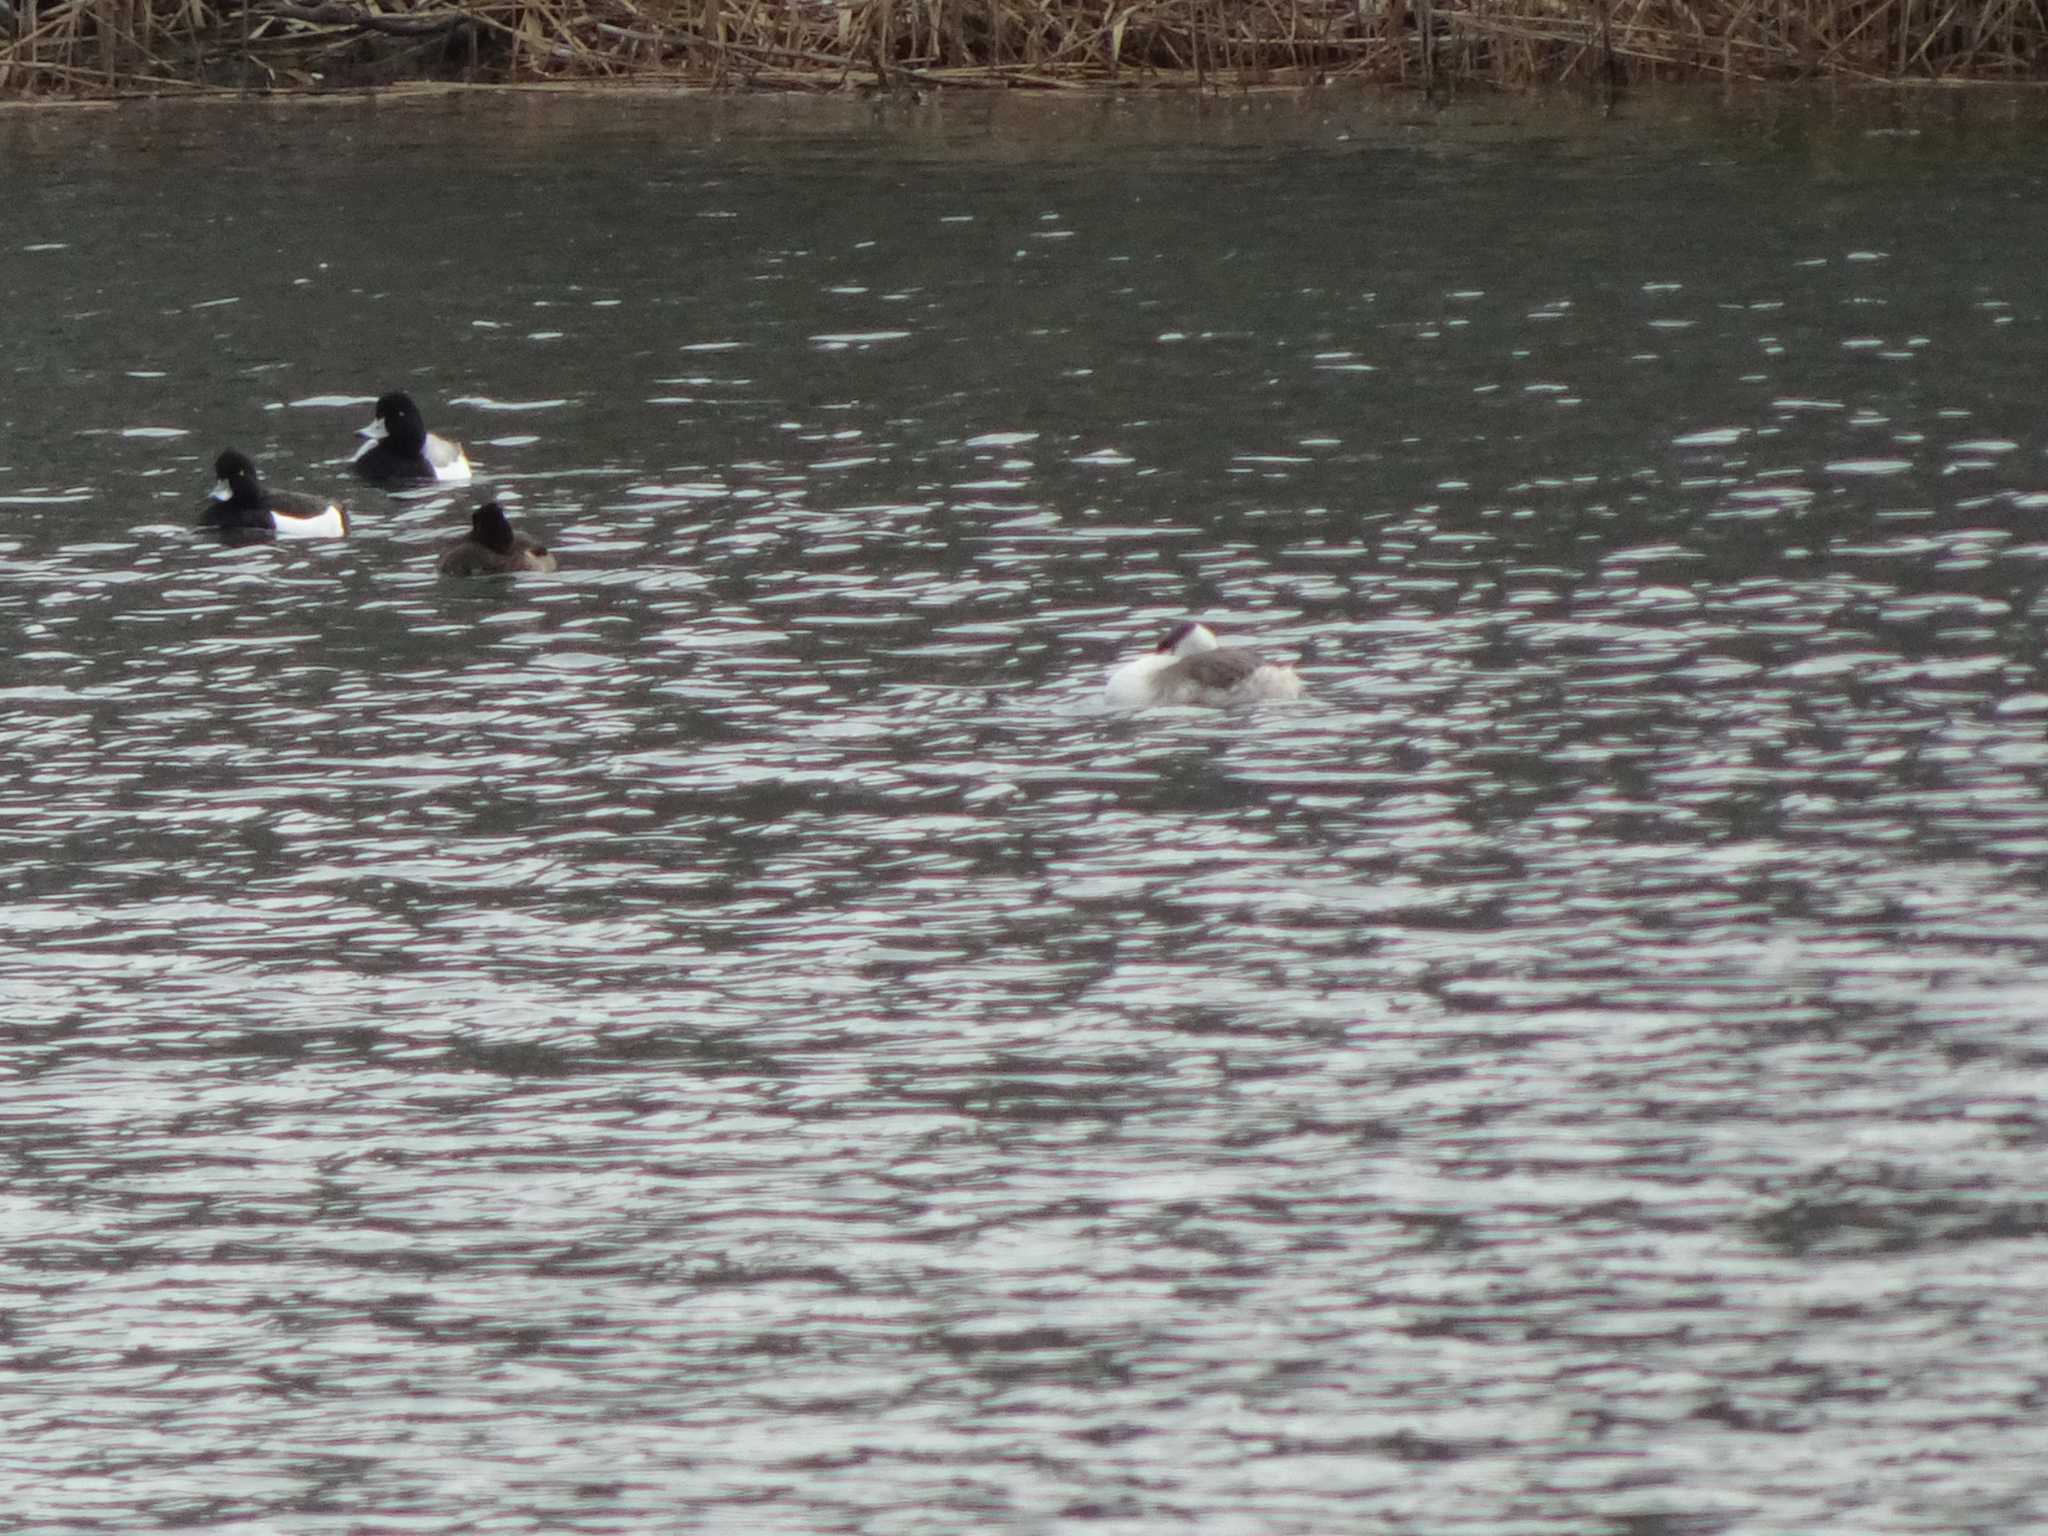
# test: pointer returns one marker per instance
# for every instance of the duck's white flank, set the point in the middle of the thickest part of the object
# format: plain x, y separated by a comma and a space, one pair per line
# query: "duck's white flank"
451, 464
328, 524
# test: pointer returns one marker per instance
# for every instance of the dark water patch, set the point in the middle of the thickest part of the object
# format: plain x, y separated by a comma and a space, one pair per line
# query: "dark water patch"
1844, 1212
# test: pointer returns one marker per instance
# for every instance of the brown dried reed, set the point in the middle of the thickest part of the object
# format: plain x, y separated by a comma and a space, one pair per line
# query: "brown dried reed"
96, 48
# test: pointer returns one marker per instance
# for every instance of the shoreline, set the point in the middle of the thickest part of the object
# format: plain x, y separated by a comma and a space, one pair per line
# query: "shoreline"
110, 50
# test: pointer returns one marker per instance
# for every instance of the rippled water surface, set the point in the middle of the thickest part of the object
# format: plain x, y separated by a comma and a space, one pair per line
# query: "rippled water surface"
736, 1037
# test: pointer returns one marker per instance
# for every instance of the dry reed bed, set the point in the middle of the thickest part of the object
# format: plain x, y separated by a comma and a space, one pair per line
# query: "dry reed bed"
121, 47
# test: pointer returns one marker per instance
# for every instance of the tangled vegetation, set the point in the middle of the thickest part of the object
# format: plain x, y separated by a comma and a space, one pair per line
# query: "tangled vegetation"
127, 47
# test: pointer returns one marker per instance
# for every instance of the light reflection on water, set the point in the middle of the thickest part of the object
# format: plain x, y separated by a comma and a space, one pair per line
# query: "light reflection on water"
735, 1032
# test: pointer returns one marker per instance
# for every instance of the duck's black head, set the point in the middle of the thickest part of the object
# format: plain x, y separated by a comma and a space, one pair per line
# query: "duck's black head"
237, 476
1175, 635
489, 526
404, 428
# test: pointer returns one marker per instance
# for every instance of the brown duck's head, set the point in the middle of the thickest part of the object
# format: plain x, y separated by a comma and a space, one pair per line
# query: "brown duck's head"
489, 526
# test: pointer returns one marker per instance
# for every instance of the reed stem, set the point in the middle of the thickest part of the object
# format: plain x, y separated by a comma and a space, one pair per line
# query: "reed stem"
119, 47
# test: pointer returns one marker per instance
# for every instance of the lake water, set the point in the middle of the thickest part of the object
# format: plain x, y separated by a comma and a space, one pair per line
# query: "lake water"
736, 1037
